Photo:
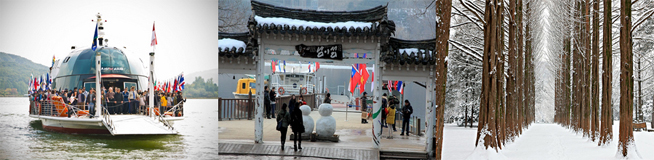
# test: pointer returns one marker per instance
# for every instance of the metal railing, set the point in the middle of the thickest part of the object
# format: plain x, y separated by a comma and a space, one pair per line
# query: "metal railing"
231, 109
106, 119
165, 122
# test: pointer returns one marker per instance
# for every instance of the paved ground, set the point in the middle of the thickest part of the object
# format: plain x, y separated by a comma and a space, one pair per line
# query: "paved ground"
352, 134
274, 149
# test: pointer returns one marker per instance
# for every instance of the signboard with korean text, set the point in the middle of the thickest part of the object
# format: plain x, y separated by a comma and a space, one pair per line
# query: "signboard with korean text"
321, 51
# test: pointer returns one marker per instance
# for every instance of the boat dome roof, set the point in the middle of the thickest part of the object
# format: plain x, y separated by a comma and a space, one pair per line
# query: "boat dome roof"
114, 61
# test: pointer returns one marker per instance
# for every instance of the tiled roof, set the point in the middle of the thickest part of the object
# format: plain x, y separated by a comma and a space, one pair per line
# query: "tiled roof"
323, 21
249, 49
370, 15
402, 52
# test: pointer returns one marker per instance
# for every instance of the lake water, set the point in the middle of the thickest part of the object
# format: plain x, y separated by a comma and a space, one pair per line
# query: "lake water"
22, 137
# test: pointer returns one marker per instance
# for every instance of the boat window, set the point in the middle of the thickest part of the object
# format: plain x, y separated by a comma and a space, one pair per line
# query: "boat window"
252, 84
242, 85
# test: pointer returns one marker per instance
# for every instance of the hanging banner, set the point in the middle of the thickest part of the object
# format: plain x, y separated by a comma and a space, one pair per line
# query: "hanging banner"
322, 51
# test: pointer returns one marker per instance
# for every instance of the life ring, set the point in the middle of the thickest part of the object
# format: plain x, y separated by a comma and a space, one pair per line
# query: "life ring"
281, 90
304, 90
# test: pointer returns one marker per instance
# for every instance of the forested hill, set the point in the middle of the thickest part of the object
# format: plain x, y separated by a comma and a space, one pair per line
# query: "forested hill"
15, 74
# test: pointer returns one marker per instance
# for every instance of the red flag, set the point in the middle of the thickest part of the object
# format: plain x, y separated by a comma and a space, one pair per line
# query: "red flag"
317, 66
354, 78
154, 37
364, 77
395, 85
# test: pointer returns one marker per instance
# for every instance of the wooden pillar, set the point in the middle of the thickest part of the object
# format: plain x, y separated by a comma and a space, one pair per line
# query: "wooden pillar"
258, 121
376, 104
430, 116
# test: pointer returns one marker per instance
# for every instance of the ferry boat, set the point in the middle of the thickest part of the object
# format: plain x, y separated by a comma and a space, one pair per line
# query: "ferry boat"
118, 69
285, 84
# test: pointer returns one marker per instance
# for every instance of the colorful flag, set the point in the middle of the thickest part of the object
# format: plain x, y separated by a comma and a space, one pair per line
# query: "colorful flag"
364, 77
400, 87
284, 66
395, 85
153, 42
272, 66
175, 85
279, 66
181, 82
154, 84
53, 61
309, 67
95, 38
355, 77
317, 66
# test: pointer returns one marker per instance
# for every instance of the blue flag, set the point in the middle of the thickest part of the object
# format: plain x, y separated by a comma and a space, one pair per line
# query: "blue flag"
95, 38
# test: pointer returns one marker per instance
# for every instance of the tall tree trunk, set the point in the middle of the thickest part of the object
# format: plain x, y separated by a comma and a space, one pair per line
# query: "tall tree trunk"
444, 11
586, 68
513, 64
486, 128
607, 68
595, 65
626, 79
521, 79
499, 41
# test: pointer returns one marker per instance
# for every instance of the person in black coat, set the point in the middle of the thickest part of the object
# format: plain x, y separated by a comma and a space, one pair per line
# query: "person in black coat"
266, 101
297, 125
407, 110
292, 103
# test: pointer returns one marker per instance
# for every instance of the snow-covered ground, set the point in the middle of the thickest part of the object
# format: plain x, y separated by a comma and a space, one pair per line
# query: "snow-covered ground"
542, 141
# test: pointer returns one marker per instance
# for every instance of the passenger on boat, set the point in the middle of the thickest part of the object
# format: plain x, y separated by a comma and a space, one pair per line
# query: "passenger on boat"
170, 101
132, 100
180, 108
164, 102
91, 99
80, 98
73, 98
125, 107
110, 100
118, 102
141, 98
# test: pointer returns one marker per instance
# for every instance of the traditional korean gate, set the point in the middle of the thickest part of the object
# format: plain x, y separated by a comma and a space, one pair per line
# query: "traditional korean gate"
334, 38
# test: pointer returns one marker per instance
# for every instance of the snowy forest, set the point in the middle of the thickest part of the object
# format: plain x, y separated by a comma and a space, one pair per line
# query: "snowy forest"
582, 64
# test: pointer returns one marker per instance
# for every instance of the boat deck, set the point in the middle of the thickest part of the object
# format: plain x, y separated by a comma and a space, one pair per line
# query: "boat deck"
138, 125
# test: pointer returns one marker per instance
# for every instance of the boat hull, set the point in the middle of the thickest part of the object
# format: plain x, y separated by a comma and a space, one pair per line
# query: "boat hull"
80, 125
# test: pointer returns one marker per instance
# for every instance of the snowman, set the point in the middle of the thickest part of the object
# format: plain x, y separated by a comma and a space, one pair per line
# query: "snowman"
307, 120
326, 125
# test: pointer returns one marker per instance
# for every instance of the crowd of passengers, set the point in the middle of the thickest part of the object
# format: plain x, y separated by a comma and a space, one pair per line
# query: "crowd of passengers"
130, 101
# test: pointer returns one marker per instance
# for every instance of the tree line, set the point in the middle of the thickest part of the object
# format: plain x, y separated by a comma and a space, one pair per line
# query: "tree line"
577, 90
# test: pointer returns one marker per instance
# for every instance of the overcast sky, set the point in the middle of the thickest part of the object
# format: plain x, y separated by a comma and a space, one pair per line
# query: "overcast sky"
187, 31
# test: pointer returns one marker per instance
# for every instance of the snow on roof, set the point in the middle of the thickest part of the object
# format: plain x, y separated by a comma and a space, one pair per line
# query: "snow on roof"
297, 22
229, 43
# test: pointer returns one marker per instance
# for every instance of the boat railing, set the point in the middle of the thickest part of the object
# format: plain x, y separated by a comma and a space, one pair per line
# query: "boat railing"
165, 122
290, 89
176, 107
106, 119
55, 108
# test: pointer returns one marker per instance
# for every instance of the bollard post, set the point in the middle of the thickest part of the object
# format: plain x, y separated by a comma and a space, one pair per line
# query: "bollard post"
220, 113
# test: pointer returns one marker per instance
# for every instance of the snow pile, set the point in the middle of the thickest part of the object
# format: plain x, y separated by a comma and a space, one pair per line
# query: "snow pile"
228, 43
480, 153
297, 23
414, 50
